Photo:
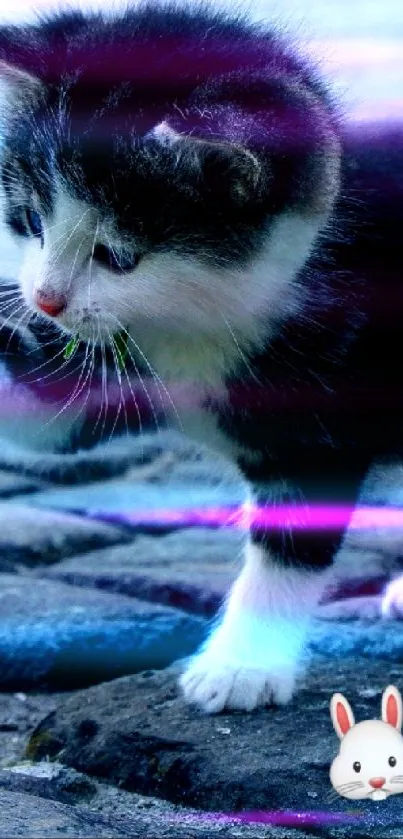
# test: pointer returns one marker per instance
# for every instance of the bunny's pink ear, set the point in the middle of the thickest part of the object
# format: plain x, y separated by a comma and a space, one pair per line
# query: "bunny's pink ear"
341, 714
392, 711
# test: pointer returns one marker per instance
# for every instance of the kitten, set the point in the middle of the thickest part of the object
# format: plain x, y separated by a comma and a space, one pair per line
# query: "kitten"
179, 175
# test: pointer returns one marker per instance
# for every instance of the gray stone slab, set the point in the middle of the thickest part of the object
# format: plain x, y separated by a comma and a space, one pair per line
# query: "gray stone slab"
193, 569
29, 536
154, 816
359, 571
12, 484
32, 817
165, 481
190, 569
198, 491
355, 609
137, 732
49, 780
101, 462
154, 506
357, 635
27, 815
55, 634
153, 456
19, 714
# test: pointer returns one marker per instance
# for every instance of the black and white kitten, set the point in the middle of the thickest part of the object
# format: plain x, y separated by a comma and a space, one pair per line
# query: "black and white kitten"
179, 174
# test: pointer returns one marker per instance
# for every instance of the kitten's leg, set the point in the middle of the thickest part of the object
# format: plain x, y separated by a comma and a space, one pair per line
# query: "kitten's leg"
392, 599
253, 655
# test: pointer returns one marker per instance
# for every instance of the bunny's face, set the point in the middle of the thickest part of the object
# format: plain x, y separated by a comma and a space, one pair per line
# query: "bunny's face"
370, 760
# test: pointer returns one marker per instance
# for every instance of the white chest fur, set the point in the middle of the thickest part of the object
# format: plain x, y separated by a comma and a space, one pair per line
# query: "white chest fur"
189, 374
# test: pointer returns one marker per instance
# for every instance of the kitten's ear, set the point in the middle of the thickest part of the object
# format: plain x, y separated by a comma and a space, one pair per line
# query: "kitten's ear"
165, 135
17, 87
231, 171
228, 170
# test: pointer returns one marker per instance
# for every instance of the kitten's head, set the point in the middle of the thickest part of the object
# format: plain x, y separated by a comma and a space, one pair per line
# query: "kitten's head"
162, 215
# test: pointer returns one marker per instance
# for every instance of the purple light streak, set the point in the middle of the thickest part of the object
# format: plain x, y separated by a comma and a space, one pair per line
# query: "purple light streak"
285, 818
299, 517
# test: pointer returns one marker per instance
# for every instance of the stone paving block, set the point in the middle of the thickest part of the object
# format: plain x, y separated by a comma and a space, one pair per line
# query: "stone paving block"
190, 569
12, 484
149, 506
165, 453
29, 536
165, 482
198, 492
27, 815
360, 572
56, 634
19, 713
33, 818
361, 634
100, 462
64, 636
193, 569
50, 780
353, 609
138, 733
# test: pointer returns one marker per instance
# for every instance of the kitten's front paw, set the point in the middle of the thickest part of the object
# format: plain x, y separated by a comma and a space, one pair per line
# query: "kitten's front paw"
392, 600
214, 686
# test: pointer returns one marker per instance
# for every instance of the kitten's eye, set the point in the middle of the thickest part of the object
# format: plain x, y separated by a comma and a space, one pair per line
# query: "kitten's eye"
34, 223
113, 261
357, 766
392, 761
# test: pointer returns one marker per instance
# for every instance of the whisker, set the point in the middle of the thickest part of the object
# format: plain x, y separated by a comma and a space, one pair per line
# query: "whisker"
349, 787
10, 291
156, 378
88, 379
240, 351
43, 344
76, 392
134, 401
5, 305
142, 382
55, 225
50, 361
104, 388
19, 323
331, 796
74, 263
13, 313
70, 235
121, 405
90, 265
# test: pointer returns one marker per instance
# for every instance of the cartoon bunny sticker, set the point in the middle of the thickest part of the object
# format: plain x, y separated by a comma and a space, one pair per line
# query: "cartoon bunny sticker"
370, 760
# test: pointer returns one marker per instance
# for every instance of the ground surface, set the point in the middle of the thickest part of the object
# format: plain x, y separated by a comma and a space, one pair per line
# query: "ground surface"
93, 589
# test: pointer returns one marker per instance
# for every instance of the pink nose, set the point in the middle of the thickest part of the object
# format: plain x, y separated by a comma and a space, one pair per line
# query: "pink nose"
50, 304
377, 783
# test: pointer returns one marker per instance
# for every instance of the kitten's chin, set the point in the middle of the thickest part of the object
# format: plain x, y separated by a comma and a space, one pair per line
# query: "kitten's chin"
87, 331
96, 336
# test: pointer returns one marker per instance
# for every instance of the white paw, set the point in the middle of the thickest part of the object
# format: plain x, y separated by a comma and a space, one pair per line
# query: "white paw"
214, 686
392, 600
252, 656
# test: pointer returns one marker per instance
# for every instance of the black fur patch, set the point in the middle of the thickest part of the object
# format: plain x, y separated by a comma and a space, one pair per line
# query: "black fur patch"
325, 396
108, 83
